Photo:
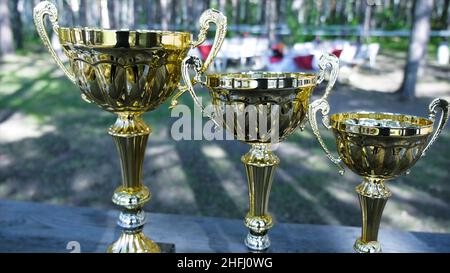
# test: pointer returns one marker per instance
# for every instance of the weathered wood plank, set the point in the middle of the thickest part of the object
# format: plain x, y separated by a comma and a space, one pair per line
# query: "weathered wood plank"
35, 227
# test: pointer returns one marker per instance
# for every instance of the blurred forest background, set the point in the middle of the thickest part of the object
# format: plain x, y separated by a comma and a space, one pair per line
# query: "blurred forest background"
387, 22
54, 147
290, 20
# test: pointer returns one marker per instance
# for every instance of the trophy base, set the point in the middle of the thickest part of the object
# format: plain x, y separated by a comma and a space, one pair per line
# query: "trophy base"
134, 243
258, 243
369, 247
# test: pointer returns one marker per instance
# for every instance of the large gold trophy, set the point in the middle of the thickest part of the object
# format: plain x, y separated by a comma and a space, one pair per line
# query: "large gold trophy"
127, 73
260, 108
378, 147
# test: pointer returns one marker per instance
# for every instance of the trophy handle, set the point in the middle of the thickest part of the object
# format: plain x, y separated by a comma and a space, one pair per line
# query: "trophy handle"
216, 17
207, 17
444, 106
324, 107
40, 11
325, 61
196, 64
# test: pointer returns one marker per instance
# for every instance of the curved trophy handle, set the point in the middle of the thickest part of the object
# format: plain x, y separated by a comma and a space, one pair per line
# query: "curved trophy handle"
216, 17
207, 17
196, 64
444, 106
326, 61
324, 107
331, 61
40, 11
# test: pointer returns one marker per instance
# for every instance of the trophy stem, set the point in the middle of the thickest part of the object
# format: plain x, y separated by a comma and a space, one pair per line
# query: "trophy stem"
260, 164
373, 195
130, 134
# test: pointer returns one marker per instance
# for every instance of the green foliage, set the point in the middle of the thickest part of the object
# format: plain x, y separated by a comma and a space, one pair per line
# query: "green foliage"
400, 44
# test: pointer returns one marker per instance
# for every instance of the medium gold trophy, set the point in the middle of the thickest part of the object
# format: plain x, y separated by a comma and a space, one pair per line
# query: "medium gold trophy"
128, 73
260, 109
378, 147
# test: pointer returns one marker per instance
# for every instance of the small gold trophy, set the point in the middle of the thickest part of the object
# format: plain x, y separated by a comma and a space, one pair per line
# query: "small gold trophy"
378, 147
260, 108
127, 72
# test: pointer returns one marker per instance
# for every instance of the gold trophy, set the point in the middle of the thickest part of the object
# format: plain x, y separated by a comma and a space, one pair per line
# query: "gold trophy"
378, 147
127, 72
280, 104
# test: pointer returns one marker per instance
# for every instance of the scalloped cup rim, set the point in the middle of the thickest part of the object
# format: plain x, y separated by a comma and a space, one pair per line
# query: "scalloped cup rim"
125, 38
261, 81
260, 75
141, 31
421, 126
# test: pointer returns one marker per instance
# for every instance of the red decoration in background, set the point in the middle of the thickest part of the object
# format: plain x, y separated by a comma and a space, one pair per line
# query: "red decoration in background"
275, 59
277, 53
204, 50
337, 52
304, 62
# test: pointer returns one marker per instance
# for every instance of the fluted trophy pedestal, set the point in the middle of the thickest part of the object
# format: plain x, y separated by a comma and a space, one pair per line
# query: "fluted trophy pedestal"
260, 164
130, 134
373, 196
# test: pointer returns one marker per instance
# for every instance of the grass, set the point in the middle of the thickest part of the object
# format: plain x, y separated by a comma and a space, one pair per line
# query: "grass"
400, 44
74, 162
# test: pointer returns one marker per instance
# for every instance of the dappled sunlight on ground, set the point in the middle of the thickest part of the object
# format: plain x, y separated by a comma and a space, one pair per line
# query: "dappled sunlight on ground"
232, 178
54, 148
213, 151
387, 76
165, 176
342, 194
324, 214
19, 127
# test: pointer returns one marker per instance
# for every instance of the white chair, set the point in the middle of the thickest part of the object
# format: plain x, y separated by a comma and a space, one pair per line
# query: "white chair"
373, 50
443, 54
348, 55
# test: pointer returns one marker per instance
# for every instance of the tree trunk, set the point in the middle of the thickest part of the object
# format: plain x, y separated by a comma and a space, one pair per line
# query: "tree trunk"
157, 17
69, 12
332, 14
281, 11
137, 7
222, 5
149, 13
6, 34
165, 14
247, 12
235, 12
262, 12
104, 14
417, 49
443, 20
271, 20
174, 20
82, 13
131, 21
206, 4
16, 22
367, 19
112, 14
396, 9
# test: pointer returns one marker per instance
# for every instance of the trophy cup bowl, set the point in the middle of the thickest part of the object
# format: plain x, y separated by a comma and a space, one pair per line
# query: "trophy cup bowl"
265, 93
127, 72
378, 147
260, 109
